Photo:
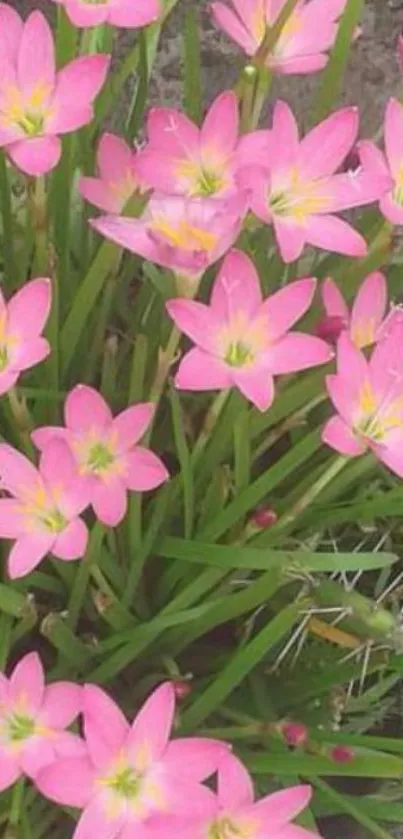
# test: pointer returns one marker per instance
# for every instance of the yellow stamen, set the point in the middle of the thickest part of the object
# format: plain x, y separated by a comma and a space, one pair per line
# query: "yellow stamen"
185, 235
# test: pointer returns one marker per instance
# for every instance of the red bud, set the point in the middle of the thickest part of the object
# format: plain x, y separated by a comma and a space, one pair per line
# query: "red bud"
294, 733
264, 518
182, 689
342, 754
330, 327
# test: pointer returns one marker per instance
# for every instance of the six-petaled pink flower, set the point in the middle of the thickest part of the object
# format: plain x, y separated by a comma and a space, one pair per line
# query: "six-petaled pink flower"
241, 340
302, 46
22, 320
33, 719
132, 772
391, 204
238, 814
118, 179
37, 104
366, 320
42, 514
368, 396
298, 191
107, 458
131, 14
181, 158
186, 235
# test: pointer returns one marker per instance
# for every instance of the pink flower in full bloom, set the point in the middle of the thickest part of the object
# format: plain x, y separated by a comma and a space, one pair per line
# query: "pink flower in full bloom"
238, 814
186, 235
132, 772
181, 158
130, 14
298, 191
242, 340
106, 455
391, 204
37, 103
368, 397
42, 514
365, 321
33, 719
22, 319
118, 179
308, 34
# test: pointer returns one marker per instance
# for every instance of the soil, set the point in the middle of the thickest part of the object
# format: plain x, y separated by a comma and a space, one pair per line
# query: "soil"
372, 77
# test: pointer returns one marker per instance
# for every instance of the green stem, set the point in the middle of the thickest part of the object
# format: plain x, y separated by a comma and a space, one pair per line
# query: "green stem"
83, 575
10, 269
22, 417
16, 804
209, 424
37, 194
308, 497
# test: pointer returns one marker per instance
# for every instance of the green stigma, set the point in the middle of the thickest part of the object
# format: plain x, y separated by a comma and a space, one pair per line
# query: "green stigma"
223, 829
208, 184
398, 195
279, 203
32, 124
54, 521
3, 358
126, 783
238, 354
99, 458
20, 728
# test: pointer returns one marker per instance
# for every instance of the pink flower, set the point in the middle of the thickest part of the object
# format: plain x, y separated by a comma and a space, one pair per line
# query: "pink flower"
186, 235
36, 102
368, 397
241, 340
42, 514
118, 179
130, 14
106, 456
308, 34
391, 204
22, 320
298, 191
32, 721
183, 159
132, 771
238, 814
364, 323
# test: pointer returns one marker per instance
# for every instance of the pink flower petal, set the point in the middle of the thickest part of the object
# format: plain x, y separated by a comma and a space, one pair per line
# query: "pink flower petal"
28, 309
72, 542
281, 807
86, 410
193, 758
27, 355
61, 704
199, 370
69, 781
11, 28
9, 771
78, 83
106, 729
290, 238
393, 130
28, 552
17, 474
42, 436
131, 424
287, 306
36, 755
86, 14
235, 786
391, 210
302, 65
256, 384
57, 465
196, 320
236, 289
95, 822
391, 457
344, 395
109, 500
172, 132
325, 147
220, 129
339, 436
114, 157
334, 234
145, 470
297, 351
229, 22
69, 745
369, 309
36, 56
333, 300
7, 380
36, 156
134, 15
27, 682
351, 363
285, 140
189, 799
99, 194
11, 519
294, 831
160, 170
149, 733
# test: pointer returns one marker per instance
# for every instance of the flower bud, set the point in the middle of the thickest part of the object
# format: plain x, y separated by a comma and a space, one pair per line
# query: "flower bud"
330, 327
294, 733
342, 754
264, 518
182, 689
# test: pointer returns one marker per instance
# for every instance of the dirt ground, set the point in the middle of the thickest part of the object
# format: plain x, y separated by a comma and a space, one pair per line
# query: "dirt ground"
373, 76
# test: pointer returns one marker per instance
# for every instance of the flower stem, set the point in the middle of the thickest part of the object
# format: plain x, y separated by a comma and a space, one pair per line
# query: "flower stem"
311, 494
37, 194
83, 574
209, 424
22, 417
16, 805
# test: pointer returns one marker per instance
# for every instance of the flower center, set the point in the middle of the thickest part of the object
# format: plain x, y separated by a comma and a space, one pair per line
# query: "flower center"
238, 354
20, 728
377, 419
208, 183
100, 458
125, 783
225, 829
32, 124
53, 520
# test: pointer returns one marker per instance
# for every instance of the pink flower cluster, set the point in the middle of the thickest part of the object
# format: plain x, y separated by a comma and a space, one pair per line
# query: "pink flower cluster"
130, 780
